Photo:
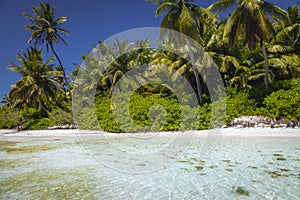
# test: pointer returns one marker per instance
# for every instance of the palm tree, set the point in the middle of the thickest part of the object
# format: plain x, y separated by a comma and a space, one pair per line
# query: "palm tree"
185, 18
126, 57
284, 48
287, 39
46, 29
250, 20
180, 16
172, 62
38, 84
286, 66
105, 65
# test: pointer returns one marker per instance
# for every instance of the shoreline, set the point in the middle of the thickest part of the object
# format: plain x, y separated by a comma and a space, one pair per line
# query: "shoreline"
231, 131
247, 125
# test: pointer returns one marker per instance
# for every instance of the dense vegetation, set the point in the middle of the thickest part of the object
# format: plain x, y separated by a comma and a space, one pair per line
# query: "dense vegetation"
256, 49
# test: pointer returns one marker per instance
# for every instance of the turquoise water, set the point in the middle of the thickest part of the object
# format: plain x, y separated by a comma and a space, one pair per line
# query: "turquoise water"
100, 168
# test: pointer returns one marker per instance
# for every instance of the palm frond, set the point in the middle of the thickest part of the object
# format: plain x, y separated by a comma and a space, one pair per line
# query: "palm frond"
280, 49
232, 26
274, 10
222, 5
163, 8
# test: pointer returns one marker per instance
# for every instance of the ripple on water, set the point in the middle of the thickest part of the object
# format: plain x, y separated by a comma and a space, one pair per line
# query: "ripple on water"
233, 169
49, 184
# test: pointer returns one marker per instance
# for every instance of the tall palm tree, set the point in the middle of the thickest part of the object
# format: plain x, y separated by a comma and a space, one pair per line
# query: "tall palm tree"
186, 18
38, 84
46, 29
250, 20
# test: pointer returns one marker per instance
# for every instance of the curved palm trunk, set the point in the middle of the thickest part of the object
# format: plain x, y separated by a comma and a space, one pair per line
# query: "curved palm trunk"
196, 74
265, 54
62, 69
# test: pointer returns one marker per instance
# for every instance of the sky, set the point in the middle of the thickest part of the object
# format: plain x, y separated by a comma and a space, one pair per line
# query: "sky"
89, 21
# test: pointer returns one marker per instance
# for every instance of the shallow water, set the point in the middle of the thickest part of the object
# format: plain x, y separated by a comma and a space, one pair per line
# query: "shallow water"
140, 168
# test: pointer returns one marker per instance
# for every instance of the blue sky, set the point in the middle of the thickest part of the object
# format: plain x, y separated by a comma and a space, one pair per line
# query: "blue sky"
89, 21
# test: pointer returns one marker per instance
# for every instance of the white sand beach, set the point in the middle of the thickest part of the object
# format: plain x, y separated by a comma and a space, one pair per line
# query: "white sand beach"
243, 132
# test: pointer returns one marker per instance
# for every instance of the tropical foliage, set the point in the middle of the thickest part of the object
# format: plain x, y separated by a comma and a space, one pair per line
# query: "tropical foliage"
256, 49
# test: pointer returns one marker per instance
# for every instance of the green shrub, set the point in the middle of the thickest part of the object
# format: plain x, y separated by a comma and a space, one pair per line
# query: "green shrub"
35, 119
32, 113
61, 116
205, 117
37, 124
284, 103
135, 114
152, 112
238, 103
105, 121
8, 117
260, 92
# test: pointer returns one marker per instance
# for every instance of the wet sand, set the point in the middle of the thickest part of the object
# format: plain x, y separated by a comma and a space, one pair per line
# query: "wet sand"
231, 132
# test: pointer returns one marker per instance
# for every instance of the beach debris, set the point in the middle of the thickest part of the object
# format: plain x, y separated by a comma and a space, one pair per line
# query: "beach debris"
263, 122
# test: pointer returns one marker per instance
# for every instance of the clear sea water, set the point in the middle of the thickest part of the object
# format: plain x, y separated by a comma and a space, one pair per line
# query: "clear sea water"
119, 167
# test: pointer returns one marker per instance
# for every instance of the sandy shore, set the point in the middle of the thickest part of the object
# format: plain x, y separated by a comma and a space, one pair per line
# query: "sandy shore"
58, 132
249, 132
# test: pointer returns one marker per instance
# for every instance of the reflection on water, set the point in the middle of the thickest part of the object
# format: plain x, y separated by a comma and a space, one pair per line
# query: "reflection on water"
66, 168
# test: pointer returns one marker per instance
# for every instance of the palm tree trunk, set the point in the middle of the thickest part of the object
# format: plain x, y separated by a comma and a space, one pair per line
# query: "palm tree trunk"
62, 69
266, 62
196, 74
